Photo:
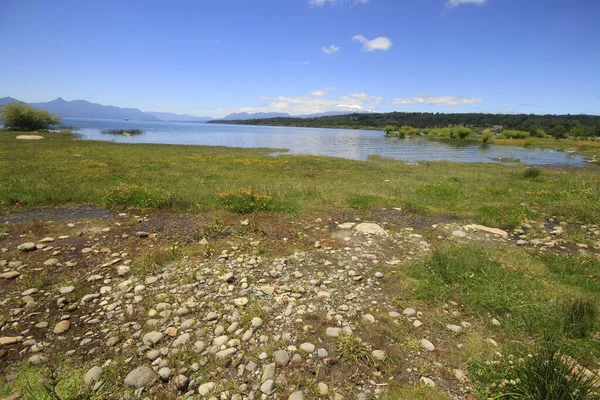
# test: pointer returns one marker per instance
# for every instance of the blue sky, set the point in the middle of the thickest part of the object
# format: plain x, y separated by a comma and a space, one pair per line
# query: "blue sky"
302, 56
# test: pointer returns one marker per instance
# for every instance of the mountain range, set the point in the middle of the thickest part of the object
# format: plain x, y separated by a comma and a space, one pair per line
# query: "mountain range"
86, 109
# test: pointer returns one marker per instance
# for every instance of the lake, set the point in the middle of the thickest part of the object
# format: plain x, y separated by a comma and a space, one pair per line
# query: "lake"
345, 143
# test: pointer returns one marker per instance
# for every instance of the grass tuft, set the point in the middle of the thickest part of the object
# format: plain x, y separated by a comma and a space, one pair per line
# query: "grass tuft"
532, 173
580, 318
351, 349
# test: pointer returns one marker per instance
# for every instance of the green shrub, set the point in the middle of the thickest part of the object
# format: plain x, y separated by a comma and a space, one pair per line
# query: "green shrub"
487, 135
549, 375
388, 129
20, 116
137, 196
245, 200
512, 134
529, 142
461, 132
532, 173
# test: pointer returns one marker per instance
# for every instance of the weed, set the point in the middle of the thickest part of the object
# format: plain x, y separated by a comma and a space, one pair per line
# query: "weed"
580, 318
245, 200
550, 375
214, 230
363, 202
351, 349
137, 196
532, 173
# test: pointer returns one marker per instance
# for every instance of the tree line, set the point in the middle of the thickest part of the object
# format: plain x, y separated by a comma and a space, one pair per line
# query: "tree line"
554, 125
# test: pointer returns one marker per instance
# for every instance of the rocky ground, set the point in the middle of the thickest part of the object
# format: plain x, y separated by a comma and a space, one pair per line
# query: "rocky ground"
177, 306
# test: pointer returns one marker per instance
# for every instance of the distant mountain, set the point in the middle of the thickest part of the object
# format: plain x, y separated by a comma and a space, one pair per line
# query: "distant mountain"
246, 116
259, 115
166, 116
85, 109
5, 100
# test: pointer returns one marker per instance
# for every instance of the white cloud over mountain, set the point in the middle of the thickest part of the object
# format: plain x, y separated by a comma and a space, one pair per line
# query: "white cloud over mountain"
379, 43
439, 100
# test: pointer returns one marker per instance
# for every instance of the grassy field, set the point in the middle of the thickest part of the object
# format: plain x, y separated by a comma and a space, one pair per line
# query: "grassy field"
546, 301
60, 170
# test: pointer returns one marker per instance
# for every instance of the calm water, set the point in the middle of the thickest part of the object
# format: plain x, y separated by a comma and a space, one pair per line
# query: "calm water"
344, 143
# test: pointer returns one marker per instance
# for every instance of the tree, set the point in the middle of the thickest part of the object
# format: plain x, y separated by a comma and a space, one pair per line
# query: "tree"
461, 132
20, 116
388, 129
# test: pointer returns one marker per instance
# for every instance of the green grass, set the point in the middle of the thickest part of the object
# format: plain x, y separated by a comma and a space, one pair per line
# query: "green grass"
60, 170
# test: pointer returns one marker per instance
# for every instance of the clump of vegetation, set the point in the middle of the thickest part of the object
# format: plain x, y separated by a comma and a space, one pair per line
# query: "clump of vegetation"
580, 318
20, 116
123, 132
549, 375
529, 142
532, 173
351, 349
137, 196
214, 230
461, 132
244, 200
514, 134
388, 129
363, 202
486, 136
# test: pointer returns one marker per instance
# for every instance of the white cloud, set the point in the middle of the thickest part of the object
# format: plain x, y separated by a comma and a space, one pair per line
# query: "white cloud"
330, 50
439, 100
322, 92
321, 3
305, 104
456, 3
299, 63
379, 43
507, 111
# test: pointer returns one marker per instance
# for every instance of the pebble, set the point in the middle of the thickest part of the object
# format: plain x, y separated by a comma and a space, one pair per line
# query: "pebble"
427, 345
62, 327
140, 377
307, 347
92, 376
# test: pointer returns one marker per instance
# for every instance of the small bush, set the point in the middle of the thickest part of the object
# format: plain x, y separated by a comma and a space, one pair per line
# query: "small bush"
214, 230
512, 134
529, 142
580, 318
245, 200
20, 116
487, 135
532, 173
136, 196
388, 129
461, 132
550, 375
351, 349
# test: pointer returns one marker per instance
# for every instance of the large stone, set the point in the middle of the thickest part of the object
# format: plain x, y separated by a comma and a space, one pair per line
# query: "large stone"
268, 387
494, 231
62, 327
29, 246
369, 228
151, 338
427, 345
92, 376
296, 396
140, 377
282, 357
206, 388
8, 340
307, 347
10, 275
29, 137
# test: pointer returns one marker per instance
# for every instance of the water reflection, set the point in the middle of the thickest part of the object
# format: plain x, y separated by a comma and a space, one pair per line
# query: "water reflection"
345, 143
